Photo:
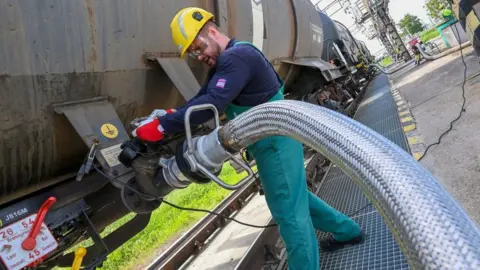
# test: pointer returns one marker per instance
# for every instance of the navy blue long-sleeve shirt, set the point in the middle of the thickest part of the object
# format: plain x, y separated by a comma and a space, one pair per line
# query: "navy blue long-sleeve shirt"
242, 77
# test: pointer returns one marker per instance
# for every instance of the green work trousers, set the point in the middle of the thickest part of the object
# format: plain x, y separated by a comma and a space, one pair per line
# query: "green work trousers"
295, 209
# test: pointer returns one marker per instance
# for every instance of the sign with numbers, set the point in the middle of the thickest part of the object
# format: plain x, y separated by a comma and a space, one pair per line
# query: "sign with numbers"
13, 255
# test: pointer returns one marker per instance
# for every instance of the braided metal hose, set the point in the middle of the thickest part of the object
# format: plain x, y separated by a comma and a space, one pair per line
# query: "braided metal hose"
433, 231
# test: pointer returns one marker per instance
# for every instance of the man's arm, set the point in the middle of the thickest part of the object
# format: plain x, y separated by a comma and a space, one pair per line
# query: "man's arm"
201, 92
231, 76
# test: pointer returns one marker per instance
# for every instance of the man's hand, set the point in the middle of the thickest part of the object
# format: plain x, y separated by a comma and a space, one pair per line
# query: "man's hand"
158, 113
149, 130
155, 114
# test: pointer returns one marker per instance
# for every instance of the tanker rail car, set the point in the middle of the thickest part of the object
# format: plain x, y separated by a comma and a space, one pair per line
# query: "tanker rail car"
74, 74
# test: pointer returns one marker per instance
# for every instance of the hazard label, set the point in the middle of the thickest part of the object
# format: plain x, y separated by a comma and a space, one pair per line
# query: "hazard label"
108, 130
11, 237
111, 154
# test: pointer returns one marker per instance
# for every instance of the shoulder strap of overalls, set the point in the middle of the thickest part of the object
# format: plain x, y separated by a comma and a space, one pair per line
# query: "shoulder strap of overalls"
266, 59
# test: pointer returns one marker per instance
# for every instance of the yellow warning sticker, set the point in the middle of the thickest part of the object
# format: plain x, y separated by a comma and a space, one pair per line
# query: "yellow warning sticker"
403, 113
406, 119
414, 140
417, 155
110, 131
409, 127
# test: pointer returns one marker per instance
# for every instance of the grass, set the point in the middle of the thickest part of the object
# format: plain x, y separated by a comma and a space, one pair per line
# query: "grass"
429, 34
165, 223
385, 61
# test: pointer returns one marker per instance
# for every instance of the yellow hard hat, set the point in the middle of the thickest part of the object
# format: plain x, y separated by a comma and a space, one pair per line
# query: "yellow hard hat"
186, 25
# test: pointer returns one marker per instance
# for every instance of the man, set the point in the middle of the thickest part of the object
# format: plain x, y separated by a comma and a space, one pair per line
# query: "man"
240, 78
416, 53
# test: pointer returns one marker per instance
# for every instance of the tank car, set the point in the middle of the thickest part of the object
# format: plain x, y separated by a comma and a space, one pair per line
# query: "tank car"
75, 73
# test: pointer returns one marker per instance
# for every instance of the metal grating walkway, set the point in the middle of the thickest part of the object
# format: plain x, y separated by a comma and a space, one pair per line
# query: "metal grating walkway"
379, 251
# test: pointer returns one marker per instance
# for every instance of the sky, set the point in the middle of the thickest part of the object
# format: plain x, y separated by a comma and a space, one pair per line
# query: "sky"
397, 8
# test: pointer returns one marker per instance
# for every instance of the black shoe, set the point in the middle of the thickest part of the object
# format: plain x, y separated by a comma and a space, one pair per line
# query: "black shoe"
330, 244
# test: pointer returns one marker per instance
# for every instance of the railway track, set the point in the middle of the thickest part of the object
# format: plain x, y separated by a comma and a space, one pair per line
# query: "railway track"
195, 239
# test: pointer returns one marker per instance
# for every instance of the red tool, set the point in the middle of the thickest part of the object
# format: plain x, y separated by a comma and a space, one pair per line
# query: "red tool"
30, 242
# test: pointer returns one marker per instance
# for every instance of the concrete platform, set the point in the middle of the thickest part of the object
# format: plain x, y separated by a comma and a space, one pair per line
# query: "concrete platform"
433, 93
233, 241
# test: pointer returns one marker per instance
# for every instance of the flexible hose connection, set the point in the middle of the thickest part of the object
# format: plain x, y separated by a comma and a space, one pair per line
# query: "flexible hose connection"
424, 54
381, 69
433, 231
445, 53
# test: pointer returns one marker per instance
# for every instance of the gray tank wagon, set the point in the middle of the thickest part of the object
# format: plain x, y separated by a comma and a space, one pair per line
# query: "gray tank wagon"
70, 53
339, 45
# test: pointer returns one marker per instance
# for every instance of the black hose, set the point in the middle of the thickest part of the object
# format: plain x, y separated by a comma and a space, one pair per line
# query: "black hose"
462, 109
161, 199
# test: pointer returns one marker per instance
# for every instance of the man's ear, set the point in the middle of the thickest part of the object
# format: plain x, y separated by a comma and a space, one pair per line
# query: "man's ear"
212, 30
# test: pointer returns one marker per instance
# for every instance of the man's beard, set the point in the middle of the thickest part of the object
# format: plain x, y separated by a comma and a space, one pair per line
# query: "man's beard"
212, 60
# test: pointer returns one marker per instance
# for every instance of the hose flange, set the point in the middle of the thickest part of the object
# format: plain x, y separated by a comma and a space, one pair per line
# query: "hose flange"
185, 168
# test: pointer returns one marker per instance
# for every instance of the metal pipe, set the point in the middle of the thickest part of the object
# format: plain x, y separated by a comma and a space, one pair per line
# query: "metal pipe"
433, 44
433, 231
351, 36
378, 67
445, 53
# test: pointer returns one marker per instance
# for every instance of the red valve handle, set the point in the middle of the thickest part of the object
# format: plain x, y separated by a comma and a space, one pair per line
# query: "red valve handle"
30, 242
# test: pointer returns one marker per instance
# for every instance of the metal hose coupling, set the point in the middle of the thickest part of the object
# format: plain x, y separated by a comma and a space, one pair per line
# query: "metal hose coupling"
432, 230
196, 160
200, 159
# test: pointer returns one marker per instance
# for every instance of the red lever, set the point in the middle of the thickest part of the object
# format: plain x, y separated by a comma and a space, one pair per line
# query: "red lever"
31, 242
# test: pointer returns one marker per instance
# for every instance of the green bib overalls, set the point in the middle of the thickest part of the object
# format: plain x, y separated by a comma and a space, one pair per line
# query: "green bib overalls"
297, 211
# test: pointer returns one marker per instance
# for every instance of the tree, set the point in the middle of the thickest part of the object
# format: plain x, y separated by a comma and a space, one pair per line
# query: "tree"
434, 8
402, 33
411, 24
